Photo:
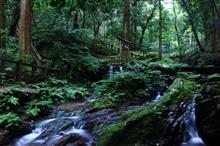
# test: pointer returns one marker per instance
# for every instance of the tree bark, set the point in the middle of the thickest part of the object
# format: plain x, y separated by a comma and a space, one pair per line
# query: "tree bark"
160, 31
2, 23
25, 26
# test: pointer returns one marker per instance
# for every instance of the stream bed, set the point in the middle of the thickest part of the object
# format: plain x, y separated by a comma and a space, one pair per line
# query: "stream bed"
77, 129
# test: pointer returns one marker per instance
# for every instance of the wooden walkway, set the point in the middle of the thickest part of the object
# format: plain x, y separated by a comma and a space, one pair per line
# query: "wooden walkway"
36, 73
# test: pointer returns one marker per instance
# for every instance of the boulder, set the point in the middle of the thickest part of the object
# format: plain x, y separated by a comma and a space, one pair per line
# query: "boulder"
146, 125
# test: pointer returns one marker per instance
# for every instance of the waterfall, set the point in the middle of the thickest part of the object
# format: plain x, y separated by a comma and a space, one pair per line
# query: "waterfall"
191, 129
121, 69
158, 97
111, 72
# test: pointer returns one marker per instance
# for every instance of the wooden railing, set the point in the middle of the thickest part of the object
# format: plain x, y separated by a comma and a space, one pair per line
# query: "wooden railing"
36, 56
37, 72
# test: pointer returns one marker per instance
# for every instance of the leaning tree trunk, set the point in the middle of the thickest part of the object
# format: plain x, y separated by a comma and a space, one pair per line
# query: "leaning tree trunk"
186, 6
2, 22
25, 26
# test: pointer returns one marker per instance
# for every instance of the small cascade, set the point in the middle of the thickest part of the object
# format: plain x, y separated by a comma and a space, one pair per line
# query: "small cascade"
192, 138
121, 70
111, 72
25, 140
158, 97
51, 132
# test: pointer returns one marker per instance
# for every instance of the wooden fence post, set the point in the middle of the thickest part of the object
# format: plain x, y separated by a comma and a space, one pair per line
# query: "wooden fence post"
45, 73
18, 73
61, 74
33, 69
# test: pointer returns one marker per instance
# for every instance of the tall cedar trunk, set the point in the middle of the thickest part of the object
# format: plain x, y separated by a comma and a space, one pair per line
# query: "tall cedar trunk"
125, 50
160, 30
127, 20
135, 23
176, 28
25, 26
2, 22
186, 6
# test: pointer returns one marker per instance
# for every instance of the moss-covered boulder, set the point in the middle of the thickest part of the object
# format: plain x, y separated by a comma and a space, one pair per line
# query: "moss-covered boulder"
128, 86
146, 124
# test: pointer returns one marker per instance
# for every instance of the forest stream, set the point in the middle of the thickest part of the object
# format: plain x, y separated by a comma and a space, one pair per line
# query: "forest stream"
109, 73
74, 129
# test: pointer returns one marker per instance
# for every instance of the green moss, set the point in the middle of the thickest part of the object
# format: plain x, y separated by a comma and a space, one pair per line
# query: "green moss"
129, 86
141, 125
102, 103
214, 77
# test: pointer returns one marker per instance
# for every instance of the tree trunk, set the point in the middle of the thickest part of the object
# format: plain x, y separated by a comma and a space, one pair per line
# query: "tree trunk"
160, 30
142, 36
216, 9
213, 31
144, 27
135, 24
186, 6
76, 20
176, 28
2, 22
16, 17
125, 56
127, 20
25, 26
84, 20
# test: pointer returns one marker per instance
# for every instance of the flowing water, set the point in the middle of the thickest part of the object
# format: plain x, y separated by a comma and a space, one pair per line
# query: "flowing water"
57, 131
111, 72
158, 97
121, 69
192, 137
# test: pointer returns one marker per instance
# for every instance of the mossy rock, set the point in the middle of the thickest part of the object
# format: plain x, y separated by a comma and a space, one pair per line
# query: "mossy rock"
129, 87
145, 124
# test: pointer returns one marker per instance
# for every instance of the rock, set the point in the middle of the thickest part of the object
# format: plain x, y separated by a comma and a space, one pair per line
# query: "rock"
73, 140
4, 137
23, 129
140, 126
208, 113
